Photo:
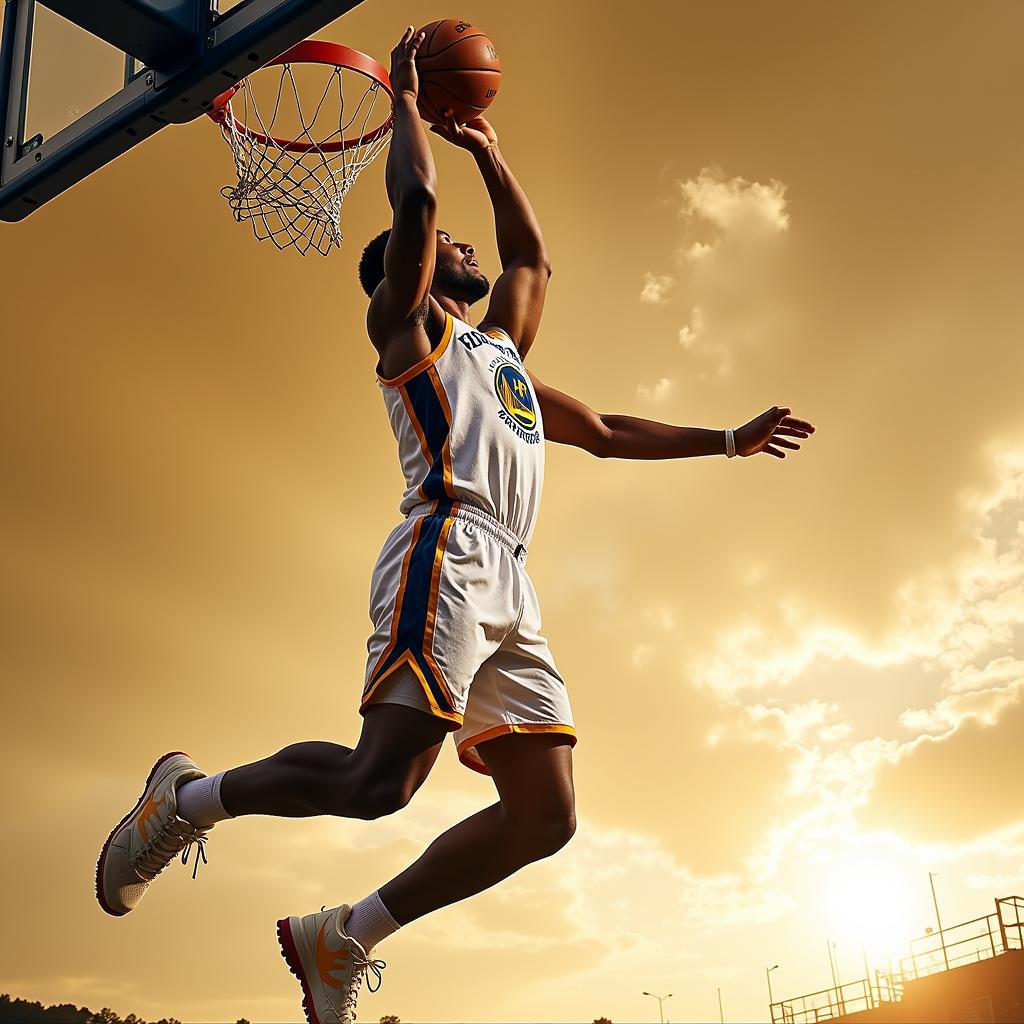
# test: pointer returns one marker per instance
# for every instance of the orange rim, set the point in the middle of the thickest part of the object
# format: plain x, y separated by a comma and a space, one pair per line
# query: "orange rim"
314, 51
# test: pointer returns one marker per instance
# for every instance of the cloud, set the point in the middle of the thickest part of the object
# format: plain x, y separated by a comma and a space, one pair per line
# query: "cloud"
955, 787
955, 624
727, 269
737, 206
642, 655
690, 332
968, 678
948, 713
613, 900
657, 392
655, 287
914, 731
800, 723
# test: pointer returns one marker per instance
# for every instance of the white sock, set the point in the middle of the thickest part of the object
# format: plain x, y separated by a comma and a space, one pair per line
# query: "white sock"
370, 921
199, 801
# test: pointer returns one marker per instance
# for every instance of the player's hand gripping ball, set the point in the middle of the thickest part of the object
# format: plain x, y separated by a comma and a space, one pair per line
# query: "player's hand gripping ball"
459, 70
403, 63
476, 136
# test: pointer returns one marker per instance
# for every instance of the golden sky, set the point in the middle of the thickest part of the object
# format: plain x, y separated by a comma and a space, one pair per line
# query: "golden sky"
797, 684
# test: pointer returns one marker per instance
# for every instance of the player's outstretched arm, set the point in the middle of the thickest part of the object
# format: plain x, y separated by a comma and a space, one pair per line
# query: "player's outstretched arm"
568, 421
411, 186
517, 298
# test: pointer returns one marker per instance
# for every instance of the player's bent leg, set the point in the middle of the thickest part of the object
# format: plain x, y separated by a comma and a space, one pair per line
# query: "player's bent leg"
397, 748
534, 818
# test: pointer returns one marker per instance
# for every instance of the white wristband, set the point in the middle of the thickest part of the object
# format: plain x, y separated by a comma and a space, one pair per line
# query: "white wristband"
730, 443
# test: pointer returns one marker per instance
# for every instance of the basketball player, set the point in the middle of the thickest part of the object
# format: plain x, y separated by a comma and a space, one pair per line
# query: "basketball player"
456, 643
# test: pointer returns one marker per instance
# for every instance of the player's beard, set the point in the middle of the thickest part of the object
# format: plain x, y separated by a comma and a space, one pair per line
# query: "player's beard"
459, 283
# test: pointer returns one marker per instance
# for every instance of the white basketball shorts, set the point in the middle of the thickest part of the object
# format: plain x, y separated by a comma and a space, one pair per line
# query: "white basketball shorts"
456, 630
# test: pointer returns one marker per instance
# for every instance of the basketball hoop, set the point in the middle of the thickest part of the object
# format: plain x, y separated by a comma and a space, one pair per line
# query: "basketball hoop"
291, 185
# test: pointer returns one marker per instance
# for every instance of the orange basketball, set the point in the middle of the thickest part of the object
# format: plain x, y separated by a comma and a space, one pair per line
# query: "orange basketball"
458, 68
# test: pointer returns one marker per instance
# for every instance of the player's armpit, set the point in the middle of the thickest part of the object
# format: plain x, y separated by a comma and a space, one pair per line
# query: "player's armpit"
569, 421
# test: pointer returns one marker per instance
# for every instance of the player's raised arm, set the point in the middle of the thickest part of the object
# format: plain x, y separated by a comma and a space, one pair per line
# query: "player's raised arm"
411, 186
568, 421
517, 299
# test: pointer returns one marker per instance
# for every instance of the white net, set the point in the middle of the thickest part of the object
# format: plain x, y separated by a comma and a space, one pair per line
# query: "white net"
291, 188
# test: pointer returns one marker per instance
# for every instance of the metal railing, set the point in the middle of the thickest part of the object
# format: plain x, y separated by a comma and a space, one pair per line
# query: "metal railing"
850, 997
967, 942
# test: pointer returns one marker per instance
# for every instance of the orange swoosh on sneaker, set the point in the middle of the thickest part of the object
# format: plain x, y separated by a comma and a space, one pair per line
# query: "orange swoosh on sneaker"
149, 810
328, 960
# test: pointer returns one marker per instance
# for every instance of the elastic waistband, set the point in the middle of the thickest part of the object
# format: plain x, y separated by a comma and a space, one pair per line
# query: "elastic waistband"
479, 518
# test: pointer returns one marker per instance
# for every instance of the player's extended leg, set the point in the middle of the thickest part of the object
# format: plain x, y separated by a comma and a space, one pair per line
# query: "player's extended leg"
534, 818
396, 750
329, 952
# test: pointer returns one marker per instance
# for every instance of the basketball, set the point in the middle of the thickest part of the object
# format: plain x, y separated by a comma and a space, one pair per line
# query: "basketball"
458, 68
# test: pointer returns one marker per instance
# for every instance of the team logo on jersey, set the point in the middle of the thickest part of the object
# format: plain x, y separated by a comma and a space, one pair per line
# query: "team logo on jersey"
514, 394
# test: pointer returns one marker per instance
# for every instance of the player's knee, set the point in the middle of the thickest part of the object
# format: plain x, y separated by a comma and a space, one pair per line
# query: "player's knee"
547, 835
562, 829
379, 797
387, 799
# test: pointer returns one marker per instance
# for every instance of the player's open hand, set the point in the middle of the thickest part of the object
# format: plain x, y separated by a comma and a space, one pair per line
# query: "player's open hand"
765, 433
477, 135
404, 77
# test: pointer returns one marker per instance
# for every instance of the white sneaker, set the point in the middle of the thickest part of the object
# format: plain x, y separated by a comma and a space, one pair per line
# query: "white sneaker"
328, 962
148, 837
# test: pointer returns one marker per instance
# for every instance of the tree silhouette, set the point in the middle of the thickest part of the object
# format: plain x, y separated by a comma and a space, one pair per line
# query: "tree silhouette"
21, 1011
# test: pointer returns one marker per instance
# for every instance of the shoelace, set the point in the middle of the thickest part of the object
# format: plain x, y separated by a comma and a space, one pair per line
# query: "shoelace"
199, 842
359, 969
371, 965
176, 836
360, 966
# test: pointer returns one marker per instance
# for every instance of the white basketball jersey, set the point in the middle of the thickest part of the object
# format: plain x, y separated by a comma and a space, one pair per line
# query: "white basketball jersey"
469, 427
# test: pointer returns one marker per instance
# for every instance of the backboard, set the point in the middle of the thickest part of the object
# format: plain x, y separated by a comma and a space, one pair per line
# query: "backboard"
164, 62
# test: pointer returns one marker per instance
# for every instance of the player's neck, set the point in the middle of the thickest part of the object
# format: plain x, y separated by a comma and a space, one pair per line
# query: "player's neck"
458, 309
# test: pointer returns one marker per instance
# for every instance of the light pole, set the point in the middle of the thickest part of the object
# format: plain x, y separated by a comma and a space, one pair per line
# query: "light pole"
768, 975
942, 938
867, 974
835, 975
661, 1000
721, 1014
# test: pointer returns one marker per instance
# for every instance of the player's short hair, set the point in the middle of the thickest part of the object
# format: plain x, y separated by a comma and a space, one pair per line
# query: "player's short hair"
371, 263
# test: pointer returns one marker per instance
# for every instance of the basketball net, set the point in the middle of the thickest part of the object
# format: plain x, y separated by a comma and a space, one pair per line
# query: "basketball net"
292, 190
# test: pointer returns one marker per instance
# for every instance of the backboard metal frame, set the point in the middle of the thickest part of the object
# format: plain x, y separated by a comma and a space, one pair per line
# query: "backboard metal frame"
229, 47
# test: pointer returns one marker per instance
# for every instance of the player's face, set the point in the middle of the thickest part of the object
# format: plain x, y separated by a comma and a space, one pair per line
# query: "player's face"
457, 271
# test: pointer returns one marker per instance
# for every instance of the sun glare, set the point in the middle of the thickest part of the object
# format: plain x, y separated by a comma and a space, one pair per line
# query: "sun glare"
868, 903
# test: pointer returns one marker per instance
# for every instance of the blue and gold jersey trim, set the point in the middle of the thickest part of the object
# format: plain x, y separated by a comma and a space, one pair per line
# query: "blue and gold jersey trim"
430, 414
412, 624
